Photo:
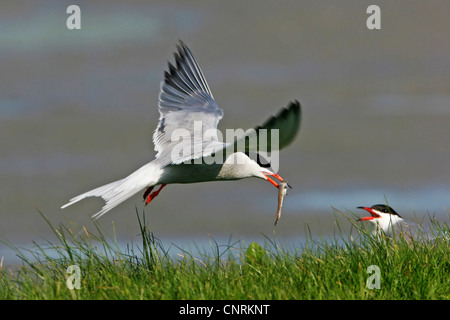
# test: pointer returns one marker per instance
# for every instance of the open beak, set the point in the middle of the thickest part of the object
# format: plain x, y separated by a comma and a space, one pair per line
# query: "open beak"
275, 175
373, 214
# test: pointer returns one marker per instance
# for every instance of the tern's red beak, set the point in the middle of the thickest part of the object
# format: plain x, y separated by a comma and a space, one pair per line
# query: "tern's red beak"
373, 214
275, 175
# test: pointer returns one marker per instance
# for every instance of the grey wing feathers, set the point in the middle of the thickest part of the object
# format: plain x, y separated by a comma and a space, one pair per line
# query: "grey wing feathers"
185, 86
184, 98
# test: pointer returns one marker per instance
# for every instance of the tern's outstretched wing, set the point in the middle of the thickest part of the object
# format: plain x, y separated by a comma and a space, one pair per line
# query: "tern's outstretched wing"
187, 110
287, 121
286, 125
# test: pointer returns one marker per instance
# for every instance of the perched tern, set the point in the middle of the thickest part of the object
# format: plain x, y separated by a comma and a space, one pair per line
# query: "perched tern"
386, 220
383, 217
185, 101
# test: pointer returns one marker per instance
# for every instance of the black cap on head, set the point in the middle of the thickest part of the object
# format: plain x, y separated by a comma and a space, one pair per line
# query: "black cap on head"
385, 209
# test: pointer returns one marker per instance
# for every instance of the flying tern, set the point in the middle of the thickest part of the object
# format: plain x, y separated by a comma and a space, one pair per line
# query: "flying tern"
185, 100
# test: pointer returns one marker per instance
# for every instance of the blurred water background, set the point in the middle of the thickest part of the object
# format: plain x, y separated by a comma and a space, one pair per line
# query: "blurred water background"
78, 108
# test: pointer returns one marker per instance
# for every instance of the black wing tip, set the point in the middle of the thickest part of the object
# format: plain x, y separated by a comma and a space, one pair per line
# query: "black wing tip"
182, 44
295, 104
181, 52
294, 107
294, 111
183, 49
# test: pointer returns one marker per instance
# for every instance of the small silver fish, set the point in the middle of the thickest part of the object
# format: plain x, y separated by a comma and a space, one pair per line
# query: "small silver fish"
282, 191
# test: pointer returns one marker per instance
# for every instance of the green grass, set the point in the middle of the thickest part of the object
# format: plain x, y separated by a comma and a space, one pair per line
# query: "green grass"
332, 269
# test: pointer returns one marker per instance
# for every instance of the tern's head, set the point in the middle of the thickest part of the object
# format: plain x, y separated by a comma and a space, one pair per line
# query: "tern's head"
238, 166
382, 215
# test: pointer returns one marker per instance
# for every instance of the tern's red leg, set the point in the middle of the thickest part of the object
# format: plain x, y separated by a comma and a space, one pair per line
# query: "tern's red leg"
154, 194
147, 192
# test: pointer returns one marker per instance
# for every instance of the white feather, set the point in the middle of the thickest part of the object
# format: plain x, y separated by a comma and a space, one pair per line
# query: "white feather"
118, 191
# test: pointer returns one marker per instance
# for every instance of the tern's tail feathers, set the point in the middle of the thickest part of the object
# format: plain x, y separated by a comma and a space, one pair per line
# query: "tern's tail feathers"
116, 192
